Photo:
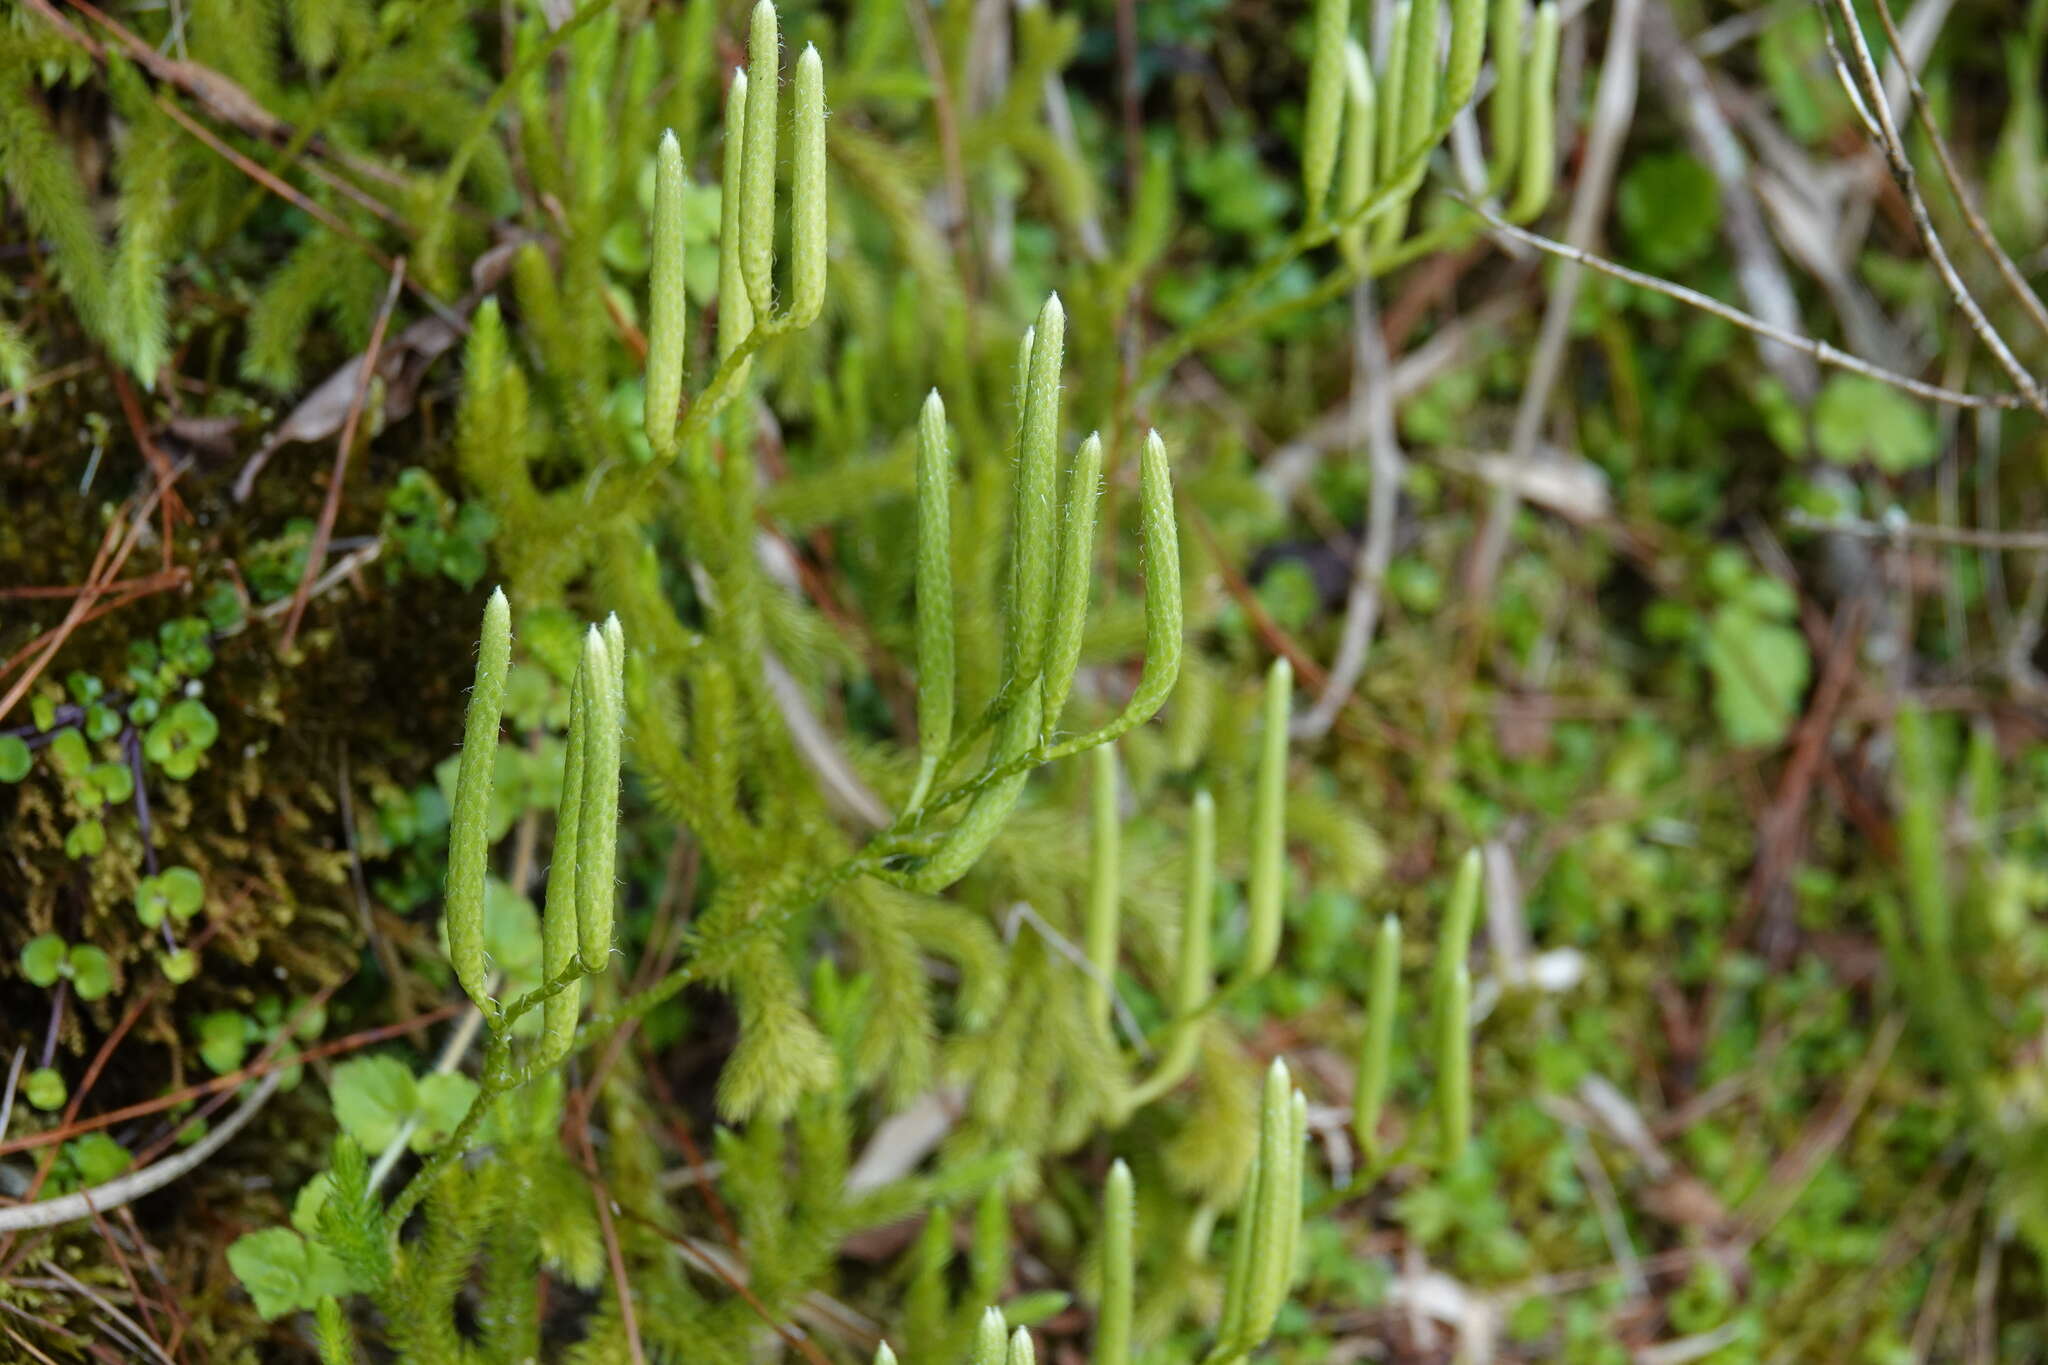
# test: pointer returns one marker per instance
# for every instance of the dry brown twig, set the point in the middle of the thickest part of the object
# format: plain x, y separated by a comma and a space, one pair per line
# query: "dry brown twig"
72, 1126
112, 1315
316, 553
107, 563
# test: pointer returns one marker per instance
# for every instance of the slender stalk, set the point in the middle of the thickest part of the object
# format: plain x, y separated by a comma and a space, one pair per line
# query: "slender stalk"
1104, 856
1119, 1222
1454, 1067
1269, 828
1375, 1057
934, 595
757, 178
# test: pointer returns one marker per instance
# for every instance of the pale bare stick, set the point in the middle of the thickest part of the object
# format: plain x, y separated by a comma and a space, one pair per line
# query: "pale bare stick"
1613, 110
1376, 547
2023, 293
1876, 114
1759, 269
1707, 303
452, 1053
2022, 541
132, 1330
126, 1189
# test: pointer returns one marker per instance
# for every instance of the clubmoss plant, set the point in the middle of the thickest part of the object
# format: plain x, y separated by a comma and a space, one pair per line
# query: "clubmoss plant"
1375, 1054
1404, 105
667, 306
1047, 607
1193, 990
711, 715
414, 1281
576, 922
1262, 1250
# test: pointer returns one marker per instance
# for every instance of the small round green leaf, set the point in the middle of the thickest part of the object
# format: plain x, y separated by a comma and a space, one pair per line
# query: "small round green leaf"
87, 838
223, 1040
309, 1019
46, 1089
311, 1198
1760, 670
1670, 209
199, 722
183, 891
68, 753
115, 781
177, 739
443, 1099
373, 1097
92, 1160
1858, 418
285, 1273
42, 959
151, 902
102, 721
92, 975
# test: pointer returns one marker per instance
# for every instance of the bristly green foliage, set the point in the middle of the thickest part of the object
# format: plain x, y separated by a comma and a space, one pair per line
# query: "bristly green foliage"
149, 163
43, 180
1017, 625
811, 710
794, 1062
171, 194
324, 276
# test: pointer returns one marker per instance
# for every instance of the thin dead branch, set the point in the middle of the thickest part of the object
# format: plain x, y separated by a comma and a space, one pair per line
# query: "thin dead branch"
316, 553
1821, 351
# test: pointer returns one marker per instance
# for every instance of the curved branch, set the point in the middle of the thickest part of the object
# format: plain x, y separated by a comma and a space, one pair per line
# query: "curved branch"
126, 1189
1821, 351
